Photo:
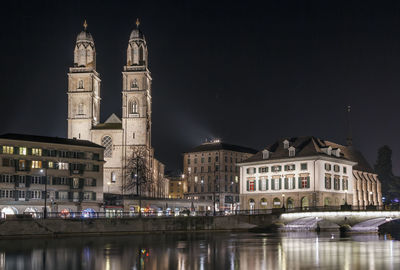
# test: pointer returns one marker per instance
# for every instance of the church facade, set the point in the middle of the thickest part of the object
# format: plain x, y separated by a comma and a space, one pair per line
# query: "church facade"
120, 136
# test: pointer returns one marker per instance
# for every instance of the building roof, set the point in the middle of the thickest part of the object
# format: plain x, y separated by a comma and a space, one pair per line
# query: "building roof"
312, 146
84, 36
214, 146
112, 122
45, 139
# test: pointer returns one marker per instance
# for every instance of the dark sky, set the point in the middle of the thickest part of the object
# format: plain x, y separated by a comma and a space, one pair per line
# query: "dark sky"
246, 72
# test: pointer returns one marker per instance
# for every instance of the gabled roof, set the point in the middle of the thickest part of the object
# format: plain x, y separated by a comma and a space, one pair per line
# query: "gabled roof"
211, 146
312, 146
112, 122
45, 139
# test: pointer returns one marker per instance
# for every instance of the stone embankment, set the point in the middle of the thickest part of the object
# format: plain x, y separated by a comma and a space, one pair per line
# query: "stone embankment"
67, 227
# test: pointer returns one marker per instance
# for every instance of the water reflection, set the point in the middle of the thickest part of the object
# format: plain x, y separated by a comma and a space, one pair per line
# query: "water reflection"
204, 251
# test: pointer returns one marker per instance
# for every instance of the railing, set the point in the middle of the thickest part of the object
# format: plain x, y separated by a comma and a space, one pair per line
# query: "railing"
187, 213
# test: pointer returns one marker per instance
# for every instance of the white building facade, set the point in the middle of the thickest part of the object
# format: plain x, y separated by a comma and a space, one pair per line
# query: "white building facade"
305, 172
120, 136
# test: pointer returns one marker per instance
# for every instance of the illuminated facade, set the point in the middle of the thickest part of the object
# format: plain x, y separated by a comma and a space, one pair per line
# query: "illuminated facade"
120, 136
305, 172
211, 173
177, 187
74, 171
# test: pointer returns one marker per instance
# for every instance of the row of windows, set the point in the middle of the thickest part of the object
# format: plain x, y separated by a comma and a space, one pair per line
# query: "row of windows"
38, 194
24, 151
336, 168
276, 168
74, 182
230, 188
276, 183
26, 165
336, 183
196, 178
217, 169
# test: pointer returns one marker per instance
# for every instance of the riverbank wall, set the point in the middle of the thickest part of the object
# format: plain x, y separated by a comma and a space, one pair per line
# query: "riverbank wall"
10, 228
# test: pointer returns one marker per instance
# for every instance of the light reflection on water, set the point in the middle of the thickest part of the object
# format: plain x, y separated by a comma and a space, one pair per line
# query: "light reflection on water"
203, 251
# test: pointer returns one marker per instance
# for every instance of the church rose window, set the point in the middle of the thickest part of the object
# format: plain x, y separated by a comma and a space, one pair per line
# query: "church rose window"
107, 143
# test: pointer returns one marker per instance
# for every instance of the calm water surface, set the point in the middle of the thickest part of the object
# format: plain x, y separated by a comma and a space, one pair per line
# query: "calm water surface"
204, 251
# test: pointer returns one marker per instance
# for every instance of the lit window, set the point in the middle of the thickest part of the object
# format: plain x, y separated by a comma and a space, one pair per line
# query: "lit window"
36, 151
63, 166
22, 151
8, 150
51, 164
36, 164
304, 182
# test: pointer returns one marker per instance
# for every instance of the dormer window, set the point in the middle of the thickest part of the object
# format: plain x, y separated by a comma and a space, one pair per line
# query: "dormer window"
292, 151
285, 144
265, 154
336, 152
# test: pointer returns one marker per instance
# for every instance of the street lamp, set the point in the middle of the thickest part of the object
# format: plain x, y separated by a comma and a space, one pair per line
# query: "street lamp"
45, 192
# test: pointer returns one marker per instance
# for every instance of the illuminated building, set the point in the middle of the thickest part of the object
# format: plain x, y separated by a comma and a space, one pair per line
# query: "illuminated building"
305, 172
73, 168
120, 136
211, 173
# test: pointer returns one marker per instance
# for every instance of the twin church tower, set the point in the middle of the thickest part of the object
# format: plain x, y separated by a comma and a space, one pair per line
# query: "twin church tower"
119, 136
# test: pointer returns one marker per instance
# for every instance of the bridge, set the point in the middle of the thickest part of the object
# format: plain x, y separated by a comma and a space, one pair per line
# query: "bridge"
350, 220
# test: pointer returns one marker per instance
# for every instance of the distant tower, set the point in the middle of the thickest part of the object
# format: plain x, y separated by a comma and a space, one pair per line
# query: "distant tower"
83, 88
349, 139
136, 92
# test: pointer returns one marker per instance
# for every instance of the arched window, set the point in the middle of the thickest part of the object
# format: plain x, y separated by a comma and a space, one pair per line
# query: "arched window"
80, 85
113, 177
134, 84
107, 143
141, 57
80, 109
133, 107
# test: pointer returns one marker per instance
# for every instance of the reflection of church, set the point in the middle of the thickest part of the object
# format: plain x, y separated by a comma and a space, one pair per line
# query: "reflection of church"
119, 136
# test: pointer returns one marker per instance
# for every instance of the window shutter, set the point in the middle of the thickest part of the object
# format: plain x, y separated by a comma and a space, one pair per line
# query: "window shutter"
93, 182
94, 196
248, 185
70, 182
280, 183
27, 195
57, 196
16, 195
272, 184
259, 184
28, 181
29, 151
16, 150
308, 182
43, 194
28, 165
81, 182
1, 149
80, 196
16, 180
266, 184
70, 194
299, 182
286, 183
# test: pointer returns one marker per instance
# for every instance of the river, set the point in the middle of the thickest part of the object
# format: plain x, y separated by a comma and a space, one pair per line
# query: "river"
204, 251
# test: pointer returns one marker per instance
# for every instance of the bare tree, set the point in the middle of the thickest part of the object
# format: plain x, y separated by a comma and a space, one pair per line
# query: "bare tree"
138, 174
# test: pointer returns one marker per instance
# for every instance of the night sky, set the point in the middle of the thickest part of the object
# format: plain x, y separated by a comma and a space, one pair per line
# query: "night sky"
245, 72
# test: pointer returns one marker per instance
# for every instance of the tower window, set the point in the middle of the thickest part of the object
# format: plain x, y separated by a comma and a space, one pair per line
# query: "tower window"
107, 143
113, 177
80, 85
133, 107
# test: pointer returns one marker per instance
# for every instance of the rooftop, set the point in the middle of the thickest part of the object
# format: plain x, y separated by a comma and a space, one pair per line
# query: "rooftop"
218, 145
46, 139
312, 146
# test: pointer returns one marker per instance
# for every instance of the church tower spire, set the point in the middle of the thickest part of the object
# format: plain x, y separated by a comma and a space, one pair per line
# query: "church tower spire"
83, 88
136, 91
